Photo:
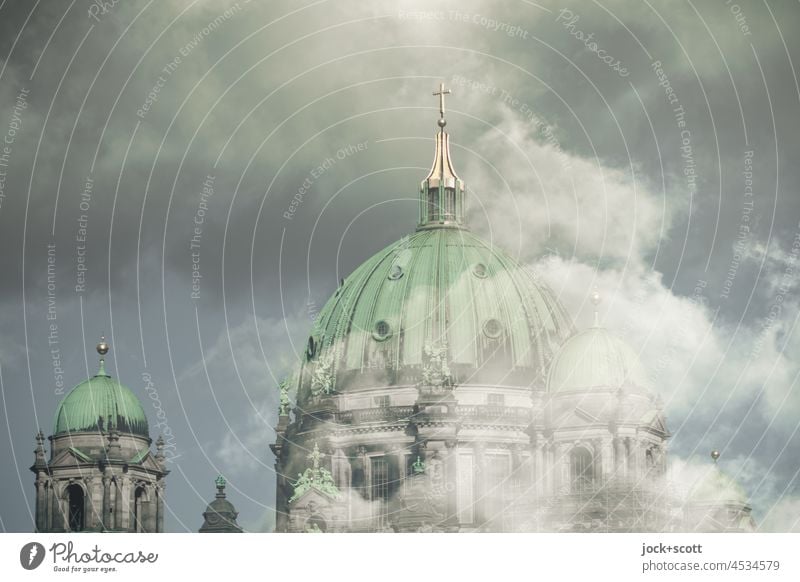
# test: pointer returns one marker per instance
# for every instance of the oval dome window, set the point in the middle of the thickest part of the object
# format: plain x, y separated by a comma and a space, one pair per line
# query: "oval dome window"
396, 272
492, 328
382, 330
479, 270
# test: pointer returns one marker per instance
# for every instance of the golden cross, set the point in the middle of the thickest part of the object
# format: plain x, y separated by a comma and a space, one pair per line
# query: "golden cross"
441, 93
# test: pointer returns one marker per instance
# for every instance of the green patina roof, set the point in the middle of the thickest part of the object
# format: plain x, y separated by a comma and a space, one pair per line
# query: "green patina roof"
594, 358
715, 487
93, 402
440, 285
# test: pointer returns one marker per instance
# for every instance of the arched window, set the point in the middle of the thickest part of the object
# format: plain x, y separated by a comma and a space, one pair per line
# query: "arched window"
316, 524
139, 499
581, 470
75, 503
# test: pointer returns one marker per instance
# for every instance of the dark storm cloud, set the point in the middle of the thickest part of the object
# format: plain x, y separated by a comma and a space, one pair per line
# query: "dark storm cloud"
159, 100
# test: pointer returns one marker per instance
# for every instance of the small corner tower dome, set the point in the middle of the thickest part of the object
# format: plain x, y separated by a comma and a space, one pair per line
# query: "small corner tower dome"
716, 487
595, 358
99, 403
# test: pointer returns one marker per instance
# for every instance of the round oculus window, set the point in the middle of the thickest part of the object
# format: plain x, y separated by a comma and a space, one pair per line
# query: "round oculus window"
382, 330
396, 272
492, 328
479, 270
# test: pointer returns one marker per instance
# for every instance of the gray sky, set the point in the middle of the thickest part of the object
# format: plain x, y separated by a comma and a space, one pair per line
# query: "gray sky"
602, 143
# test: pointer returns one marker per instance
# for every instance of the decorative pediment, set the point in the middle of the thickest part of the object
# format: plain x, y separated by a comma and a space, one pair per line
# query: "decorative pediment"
71, 457
315, 478
654, 422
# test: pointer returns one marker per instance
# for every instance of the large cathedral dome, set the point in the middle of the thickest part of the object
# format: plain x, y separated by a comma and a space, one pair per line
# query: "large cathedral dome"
439, 287
442, 291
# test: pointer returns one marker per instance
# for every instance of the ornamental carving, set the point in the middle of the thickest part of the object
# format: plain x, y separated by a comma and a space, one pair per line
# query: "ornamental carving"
436, 372
322, 380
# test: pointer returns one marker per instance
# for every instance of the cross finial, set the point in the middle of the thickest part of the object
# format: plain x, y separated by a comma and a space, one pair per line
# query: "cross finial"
441, 93
315, 456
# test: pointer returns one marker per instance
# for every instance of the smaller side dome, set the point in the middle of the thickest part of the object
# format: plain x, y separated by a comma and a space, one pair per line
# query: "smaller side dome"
595, 358
98, 401
220, 515
717, 488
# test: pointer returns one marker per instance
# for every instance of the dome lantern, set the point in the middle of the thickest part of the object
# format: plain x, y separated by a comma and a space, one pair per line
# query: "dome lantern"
442, 191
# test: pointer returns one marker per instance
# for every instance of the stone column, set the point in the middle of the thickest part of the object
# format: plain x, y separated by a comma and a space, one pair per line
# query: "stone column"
399, 454
630, 444
118, 502
58, 521
451, 483
562, 460
48, 515
98, 493
597, 461
619, 458
607, 459
160, 508
41, 501
106, 514
150, 511
480, 483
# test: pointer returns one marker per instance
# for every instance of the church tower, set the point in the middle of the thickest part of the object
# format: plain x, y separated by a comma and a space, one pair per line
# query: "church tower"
220, 515
101, 475
607, 443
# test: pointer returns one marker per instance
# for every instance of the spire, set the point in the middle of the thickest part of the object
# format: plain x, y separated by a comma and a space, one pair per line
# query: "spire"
41, 461
442, 192
102, 349
596, 299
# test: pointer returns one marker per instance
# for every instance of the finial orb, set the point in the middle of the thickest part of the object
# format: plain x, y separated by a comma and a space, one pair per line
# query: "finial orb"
596, 297
715, 455
102, 347
442, 122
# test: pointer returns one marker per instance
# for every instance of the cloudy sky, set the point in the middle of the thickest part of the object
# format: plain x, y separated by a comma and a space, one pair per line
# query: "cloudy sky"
201, 174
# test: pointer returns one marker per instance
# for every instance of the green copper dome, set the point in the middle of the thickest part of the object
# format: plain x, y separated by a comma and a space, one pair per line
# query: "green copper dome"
595, 358
441, 305
440, 287
715, 487
95, 402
